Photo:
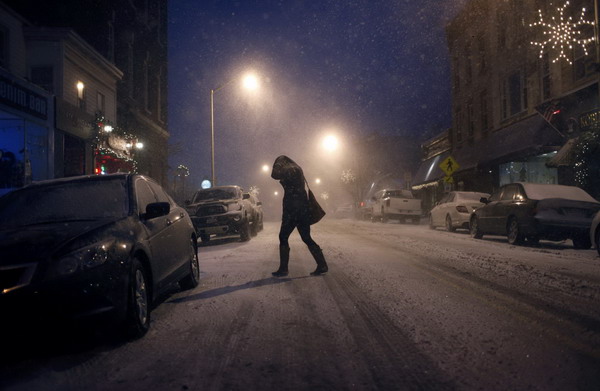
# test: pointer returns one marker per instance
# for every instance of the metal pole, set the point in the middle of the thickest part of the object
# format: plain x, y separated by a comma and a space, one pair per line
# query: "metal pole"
597, 45
212, 137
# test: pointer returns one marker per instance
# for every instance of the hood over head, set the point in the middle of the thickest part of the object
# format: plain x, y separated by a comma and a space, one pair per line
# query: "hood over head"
283, 165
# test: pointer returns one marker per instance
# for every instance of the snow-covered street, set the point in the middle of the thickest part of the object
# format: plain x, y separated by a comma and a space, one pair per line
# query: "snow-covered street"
402, 307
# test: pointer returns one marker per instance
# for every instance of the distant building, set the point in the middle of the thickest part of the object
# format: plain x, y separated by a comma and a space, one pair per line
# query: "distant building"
132, 35
512, 109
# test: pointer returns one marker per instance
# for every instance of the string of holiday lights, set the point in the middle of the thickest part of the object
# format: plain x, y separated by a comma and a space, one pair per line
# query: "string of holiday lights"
562, 34
587, 157
100, 131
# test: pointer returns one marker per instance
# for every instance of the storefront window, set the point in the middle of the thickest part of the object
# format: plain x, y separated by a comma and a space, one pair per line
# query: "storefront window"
532, 170
23, 152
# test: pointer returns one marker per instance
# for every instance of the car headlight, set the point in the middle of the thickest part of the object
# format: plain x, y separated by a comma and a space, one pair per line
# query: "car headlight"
234, 207
84, 258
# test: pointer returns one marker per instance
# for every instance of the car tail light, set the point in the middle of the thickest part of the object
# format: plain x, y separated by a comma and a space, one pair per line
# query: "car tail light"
462, 209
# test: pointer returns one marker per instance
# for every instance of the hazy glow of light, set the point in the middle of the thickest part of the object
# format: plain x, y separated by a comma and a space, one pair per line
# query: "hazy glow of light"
318, 180
250, 82
80, 85
276, 193
139, 145
330, 143
108, 128
265, 168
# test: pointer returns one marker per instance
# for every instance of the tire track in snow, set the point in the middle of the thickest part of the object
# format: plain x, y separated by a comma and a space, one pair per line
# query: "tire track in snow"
394, 360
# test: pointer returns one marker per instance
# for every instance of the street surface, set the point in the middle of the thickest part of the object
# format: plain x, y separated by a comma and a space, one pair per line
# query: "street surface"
403, 307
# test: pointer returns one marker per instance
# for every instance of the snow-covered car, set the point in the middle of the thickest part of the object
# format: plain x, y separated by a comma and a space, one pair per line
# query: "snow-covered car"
221, 210
344, 211
91, 246
396, 204
595, 232
454, 210
257, 214
533, 211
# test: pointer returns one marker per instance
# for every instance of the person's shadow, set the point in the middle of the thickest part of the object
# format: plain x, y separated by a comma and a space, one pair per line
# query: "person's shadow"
228, 289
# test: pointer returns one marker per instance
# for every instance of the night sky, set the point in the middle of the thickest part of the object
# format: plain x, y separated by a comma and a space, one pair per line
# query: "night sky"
351, 67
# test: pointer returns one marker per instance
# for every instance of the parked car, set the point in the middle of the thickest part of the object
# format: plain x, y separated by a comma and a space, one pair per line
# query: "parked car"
595, 232
257, 214
396, 204
221, 210
93, 245
344, 211
531, 211
454, 209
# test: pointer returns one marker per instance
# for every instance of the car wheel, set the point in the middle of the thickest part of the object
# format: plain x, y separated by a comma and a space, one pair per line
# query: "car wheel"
193, 278
205, 237
582, 242
431, 226
245, 231
138, 302
474, 228
513, 232
449, 226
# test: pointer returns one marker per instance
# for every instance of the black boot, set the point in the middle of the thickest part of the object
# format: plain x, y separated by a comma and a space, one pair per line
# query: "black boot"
284, 258
317, 253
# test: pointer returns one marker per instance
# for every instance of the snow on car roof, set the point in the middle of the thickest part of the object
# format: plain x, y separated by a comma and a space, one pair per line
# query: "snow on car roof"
538, 191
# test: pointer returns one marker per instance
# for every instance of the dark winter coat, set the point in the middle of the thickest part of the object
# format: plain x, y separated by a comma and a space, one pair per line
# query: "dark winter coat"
291, 177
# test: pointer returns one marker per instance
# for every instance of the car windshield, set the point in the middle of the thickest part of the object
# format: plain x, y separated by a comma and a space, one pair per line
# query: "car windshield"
81, 200
214, 194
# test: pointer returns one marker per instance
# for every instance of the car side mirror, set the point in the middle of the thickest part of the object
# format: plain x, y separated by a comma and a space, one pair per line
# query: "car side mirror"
259, 203
484, 200
246, 196
157, 209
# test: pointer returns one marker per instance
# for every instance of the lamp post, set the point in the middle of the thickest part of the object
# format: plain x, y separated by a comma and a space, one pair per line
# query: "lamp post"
250, 81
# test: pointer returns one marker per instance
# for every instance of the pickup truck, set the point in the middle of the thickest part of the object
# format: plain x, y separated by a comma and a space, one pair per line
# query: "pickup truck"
395, 204
221, 210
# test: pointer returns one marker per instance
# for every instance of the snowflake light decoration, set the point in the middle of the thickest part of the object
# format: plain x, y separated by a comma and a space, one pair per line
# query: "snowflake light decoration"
562, 34
348, 176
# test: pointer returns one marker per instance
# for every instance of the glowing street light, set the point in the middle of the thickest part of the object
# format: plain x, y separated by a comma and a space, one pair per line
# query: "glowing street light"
265, 168
330, 143
318, 181
249, 81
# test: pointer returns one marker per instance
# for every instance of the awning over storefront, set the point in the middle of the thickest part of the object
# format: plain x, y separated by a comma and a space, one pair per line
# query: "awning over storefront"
429, 170
529, 137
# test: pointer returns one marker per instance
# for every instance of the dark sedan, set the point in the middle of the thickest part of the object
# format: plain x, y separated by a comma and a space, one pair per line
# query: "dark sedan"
532, 211
92, 246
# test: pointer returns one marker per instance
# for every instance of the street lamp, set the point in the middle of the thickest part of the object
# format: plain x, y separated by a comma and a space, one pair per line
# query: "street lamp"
249, 81
330, 143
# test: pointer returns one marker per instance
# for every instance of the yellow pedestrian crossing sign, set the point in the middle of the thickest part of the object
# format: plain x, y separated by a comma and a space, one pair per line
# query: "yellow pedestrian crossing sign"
448, 179
449, 165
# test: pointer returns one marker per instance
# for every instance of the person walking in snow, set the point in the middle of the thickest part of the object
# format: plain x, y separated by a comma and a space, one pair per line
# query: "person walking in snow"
295, 215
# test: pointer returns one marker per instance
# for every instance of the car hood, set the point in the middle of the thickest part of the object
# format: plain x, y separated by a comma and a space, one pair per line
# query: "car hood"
35, 242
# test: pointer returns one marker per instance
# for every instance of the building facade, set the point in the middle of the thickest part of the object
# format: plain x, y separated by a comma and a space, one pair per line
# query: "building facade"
132, 35
84, 84
26, 111
517, 102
